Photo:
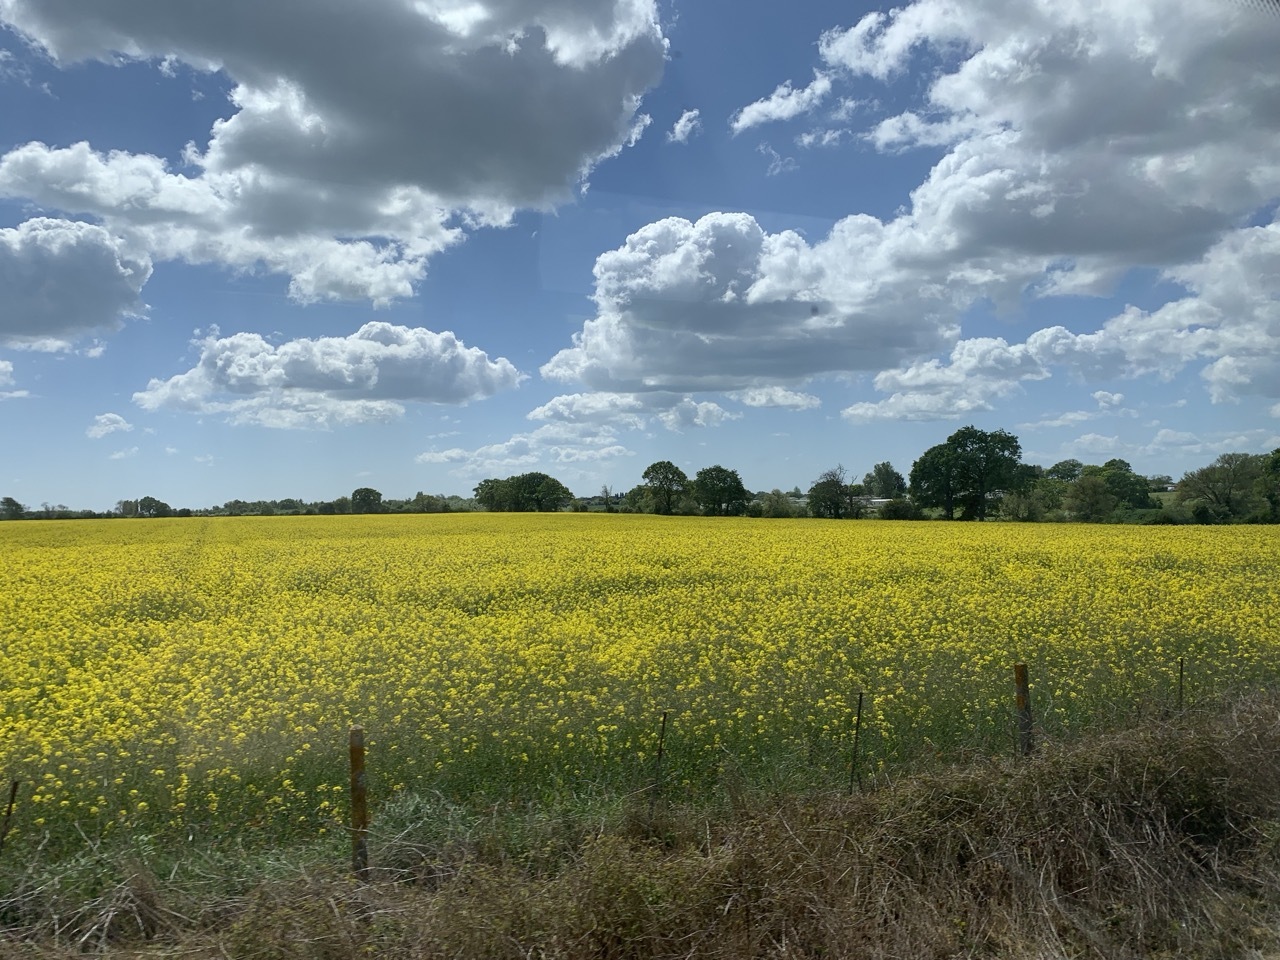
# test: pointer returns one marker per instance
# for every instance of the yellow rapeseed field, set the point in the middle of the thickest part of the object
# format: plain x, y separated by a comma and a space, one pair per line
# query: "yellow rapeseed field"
195, 677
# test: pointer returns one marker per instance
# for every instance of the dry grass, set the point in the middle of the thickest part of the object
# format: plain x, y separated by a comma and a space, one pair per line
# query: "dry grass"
1161, 841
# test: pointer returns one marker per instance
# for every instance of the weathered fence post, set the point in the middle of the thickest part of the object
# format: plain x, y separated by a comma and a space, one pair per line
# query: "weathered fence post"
1026, 728
657, 767
359, 806
855, 778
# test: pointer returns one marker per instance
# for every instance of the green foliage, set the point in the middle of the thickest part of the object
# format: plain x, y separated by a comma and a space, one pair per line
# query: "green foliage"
1233, 487
970, 471
899, 509
11, 509
719, 492
151, 507
366, 500
828, 497
884, 482
1089, 499
667, 484
776, 504
525, 493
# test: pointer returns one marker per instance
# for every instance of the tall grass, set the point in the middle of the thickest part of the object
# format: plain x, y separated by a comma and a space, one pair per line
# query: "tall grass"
1161, 839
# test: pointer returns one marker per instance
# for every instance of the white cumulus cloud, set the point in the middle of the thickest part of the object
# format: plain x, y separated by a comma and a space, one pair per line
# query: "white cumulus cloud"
107, 423
63, 280
360, 145
784, 103
330, 380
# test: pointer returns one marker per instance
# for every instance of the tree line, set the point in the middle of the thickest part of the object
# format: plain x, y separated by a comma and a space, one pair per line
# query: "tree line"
973, 475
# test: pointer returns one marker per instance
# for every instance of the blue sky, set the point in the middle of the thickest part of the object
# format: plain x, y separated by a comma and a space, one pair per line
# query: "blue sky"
284, 250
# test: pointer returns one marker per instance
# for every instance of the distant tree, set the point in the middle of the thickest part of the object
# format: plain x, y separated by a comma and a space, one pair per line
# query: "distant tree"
971, 470
151, 507
546, 493
989, 464
1066, 470
492, 494
899, 509
127, 508
1159, 483
639, 499
1268, 484
935, 479
1089, 500
829, 496
667, 483
527, 492
426, 503
884, 482
366, 500
1228, 487
11, 509
855, 501
1127, 487
775, 505
719, 491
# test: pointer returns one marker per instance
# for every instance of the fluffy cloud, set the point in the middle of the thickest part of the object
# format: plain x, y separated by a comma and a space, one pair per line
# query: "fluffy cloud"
1086, 131
1231, 320
6, 380
1080, 141
783, 104
62, 279
316, 383
359, 145
551, 445
722, 305
979, 371
775, 396
106, 423
685, 127
634, 411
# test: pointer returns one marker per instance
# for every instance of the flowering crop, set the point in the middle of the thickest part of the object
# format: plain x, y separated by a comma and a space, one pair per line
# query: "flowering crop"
195, 677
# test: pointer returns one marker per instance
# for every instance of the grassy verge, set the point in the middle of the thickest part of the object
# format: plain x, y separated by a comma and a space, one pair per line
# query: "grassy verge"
1161, 840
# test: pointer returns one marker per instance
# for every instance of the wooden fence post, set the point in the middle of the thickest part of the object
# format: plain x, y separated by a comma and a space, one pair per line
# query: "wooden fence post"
359, 807
854, 778
657, 768
1026, 727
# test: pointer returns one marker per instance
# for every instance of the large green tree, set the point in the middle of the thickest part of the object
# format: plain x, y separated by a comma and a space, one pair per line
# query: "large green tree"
828, 497
935, 479
667, 484
151, 507
719, 491
11, 509
884, 482
527, 492
969, 471
366, 500
1127, 487
988, 466
1089, 498
1228, 487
